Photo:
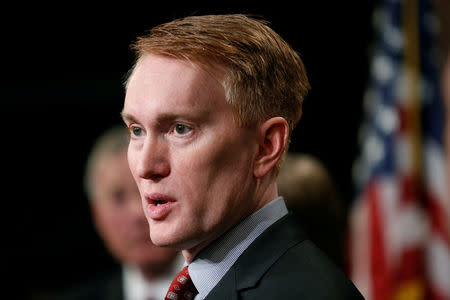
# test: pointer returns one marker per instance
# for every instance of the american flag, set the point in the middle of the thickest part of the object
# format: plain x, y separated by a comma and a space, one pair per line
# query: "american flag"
399, 222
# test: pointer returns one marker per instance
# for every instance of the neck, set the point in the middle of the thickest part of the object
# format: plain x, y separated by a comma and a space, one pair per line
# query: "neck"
189, 254
266, 194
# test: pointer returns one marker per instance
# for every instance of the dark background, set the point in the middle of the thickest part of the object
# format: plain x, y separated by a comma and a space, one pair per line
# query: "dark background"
61, 86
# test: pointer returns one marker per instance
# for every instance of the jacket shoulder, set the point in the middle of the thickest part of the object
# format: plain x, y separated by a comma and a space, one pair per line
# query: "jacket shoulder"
303, 272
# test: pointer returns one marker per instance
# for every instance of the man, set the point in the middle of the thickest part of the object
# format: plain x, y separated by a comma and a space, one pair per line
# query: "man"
120, 222
210, 105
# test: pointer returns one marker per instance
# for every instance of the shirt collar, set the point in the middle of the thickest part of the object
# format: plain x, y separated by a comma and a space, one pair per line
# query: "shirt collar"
212, 263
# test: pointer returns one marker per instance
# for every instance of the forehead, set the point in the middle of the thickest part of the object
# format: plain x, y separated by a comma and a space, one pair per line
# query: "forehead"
111, 162
166, 80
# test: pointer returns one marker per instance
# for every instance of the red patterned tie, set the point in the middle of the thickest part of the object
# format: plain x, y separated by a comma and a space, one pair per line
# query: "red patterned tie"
182, 287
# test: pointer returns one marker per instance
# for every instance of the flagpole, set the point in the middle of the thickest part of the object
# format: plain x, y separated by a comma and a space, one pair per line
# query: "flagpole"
410, 14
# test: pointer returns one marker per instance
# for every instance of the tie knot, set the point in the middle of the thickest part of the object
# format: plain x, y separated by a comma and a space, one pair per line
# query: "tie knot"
182, 287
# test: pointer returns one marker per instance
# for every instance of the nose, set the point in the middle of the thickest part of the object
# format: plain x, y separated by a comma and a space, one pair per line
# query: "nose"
151, 159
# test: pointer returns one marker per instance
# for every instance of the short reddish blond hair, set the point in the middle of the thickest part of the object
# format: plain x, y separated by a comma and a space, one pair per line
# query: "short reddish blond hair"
264, 77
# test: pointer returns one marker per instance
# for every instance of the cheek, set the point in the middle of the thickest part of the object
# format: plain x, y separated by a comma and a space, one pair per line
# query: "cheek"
110, 230
212, 174
112, 224
131, 157
199, 169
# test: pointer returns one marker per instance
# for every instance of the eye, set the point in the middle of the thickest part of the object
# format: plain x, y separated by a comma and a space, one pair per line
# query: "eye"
118, 197
135, 131
181, 129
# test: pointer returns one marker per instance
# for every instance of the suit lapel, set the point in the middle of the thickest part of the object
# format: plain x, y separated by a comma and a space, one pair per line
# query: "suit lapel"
226, 288
258, 258
266, 250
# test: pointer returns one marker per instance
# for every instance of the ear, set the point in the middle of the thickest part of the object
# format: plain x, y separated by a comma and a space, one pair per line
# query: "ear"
273, 139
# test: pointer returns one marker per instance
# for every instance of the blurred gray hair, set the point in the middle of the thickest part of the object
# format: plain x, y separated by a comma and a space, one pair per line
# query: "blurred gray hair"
112, 141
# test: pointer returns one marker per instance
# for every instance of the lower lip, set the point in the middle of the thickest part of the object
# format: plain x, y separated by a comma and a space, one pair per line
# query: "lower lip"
159, 212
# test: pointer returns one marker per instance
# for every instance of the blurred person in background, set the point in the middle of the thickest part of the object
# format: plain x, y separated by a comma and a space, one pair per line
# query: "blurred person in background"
311, 194
117, 213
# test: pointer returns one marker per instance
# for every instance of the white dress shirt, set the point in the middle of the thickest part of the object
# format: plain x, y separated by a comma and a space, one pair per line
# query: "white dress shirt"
136, 287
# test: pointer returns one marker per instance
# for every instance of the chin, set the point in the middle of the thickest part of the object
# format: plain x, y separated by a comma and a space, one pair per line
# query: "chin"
173, 241
165, 242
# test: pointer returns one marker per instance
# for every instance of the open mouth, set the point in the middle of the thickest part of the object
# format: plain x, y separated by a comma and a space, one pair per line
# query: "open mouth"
159, 202
158, 199
159, 205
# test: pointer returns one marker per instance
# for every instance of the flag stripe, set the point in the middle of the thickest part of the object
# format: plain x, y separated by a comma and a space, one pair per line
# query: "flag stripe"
378, 262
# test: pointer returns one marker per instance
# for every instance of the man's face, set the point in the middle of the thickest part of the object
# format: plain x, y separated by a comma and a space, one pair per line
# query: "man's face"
192, 164
119, 218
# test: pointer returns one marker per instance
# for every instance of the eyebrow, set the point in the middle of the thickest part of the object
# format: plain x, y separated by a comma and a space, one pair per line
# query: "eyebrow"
127, 117
166, 117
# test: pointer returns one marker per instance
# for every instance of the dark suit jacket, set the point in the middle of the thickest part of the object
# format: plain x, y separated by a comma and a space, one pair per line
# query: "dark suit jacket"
108, 287
283, 264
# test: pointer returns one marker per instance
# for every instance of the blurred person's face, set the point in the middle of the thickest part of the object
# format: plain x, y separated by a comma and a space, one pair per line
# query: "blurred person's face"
192, 164
119, 217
